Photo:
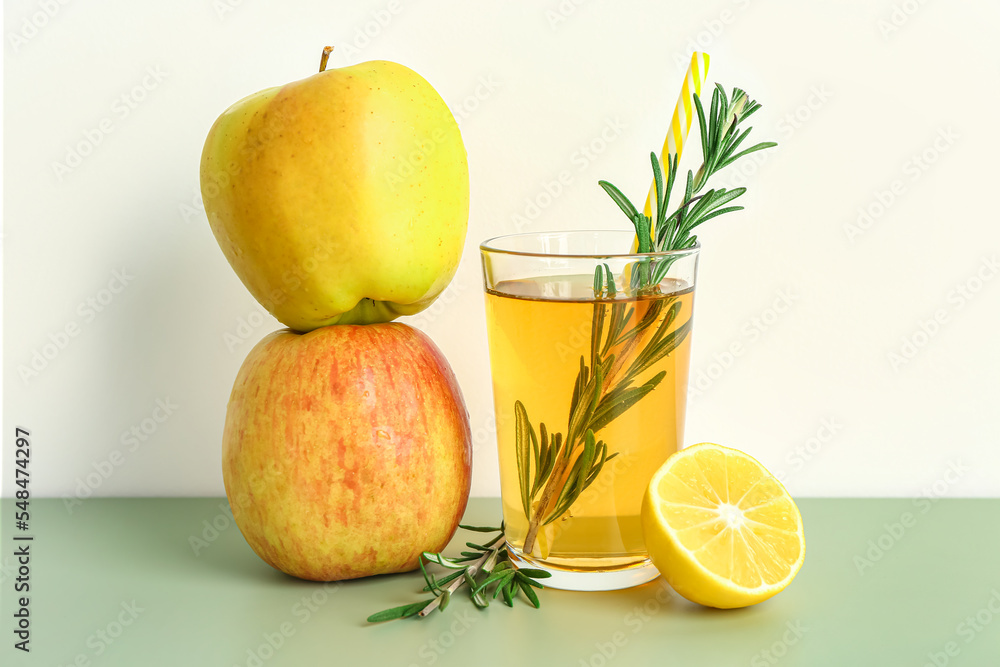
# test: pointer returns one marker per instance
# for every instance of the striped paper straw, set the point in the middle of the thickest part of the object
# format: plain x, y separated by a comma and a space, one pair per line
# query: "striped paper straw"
680, 124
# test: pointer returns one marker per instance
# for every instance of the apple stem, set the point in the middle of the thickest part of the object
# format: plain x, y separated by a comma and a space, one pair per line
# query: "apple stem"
327, 50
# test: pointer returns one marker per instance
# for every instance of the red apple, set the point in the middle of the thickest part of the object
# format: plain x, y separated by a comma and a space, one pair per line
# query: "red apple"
346, 450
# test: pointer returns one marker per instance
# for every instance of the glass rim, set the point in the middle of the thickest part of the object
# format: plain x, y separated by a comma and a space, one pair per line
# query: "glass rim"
486, 247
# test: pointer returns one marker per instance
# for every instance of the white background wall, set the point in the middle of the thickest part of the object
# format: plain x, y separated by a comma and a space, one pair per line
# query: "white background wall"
864, 97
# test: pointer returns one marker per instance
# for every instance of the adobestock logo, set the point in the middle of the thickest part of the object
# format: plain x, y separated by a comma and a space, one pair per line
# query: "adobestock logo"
802, 114
900, 15
102, 639
131, 439
928, 328
636, 620
33, 24
364, 34
559, 14
912, 170
271, 642
212, 530
442, 304
971, 627
121, 109
193, 209
224, 7
416, 158
779, 647
487, 85
245, 329
751, 332
433, 649
805, 452
711, 31
792, 122
582, 158
896, 530
87, 310
577, 341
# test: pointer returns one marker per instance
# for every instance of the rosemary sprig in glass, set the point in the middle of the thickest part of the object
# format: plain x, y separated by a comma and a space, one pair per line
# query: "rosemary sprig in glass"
720, 137
554, 470
486, 567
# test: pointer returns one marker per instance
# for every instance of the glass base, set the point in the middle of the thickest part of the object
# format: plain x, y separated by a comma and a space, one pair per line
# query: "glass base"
595, 580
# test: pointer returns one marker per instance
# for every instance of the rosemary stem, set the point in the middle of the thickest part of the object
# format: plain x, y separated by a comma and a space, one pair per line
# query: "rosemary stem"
557, 480
626, 352
720, 138
487, 561
555, 483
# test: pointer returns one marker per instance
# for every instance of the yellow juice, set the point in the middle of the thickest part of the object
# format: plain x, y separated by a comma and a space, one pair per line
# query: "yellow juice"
538, 331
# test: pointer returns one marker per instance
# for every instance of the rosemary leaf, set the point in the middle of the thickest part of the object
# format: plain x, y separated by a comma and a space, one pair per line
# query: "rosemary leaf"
602, 454
523, 433
728, 209
495, 539
589, 450
507, 598
657, 182
545, 466
731, 145
607, 414
597, 326
432, 585
529, 593
398, 612
531, 582
623, 202
480, 529
493, 578
534, 573
758, 147
444, 581
702, 128
479, 600
668, 345
452, 564
611, 280
541, 455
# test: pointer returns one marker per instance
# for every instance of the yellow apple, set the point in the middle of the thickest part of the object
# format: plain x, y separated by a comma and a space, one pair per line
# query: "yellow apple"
342, 198
346, 450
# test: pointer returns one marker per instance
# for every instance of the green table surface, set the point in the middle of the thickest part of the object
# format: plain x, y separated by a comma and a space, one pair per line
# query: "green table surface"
126, 581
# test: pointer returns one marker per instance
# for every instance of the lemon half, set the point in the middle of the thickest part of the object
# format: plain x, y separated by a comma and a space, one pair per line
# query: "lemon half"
720, 528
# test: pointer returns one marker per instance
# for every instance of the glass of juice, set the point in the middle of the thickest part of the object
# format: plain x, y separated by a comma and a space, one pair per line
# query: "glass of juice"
589, 349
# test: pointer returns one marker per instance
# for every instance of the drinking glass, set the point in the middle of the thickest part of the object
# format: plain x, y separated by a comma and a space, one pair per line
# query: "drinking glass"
589, 384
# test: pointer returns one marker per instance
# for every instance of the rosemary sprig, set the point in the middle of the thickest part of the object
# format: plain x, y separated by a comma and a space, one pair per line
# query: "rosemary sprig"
720, 137
555, 470
486, 567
